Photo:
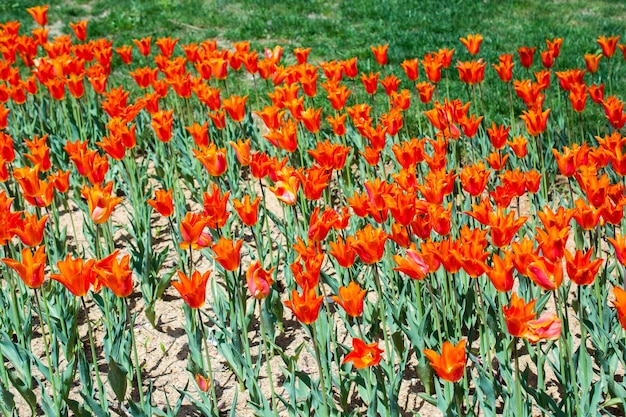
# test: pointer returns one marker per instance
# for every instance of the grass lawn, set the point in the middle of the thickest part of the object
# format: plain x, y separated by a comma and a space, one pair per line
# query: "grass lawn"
342, 29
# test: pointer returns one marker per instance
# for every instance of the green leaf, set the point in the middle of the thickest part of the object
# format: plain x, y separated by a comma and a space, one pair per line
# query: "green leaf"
117, 379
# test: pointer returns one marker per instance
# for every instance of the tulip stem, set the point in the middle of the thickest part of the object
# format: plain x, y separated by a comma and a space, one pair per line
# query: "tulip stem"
94, 357
267, 358
133, 341
208, 362
47, 349
381, 312
320, 370
518, 385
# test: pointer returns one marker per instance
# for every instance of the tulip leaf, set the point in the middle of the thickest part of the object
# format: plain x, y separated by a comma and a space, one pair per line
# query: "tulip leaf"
95, 407
117, 379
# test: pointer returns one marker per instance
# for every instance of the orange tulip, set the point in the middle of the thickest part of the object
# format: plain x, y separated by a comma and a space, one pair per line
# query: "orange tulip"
425, 90
504, 67
235, 106
474, 178
554, 46
619, 244
126, 53
519, 321
501, 273
363, 355
547, 58
311, 118
517, 316
194, 232
432, 67
546, 274
115, 274
101, 203
535, 120
503, 228
75, 274
526, 55
579, 267
413, 265
302, 54
344, 253
450, 365
31, 268
259, 280
614, 111
286, 188
519, 146
472, 43
390, 83
248, 212
472, 72
592, 61
163, 202
351, 299
498, 135
306, 308
578, 97
214, 203
30, 229
620, 305
143, 45
39, 14
380, 53
552, 242
370, 82
162, 124
213, 159
228, 253
192, 290
80, 30
242, 150
608, 45
410, 67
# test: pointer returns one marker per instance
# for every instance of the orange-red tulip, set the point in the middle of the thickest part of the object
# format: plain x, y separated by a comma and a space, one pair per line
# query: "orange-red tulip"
305, 307
30, 229
380, 53
39, 14
608, 45
546, 274
192, 290
115, 274
163, 202
75, 274
620, 305
31, 268
259, 280
413, 265
351, 298
472, 43
100, 201
228, 253
194, 231
526, 55
363, 355
248, 212
535, 120
450, 365
501, 273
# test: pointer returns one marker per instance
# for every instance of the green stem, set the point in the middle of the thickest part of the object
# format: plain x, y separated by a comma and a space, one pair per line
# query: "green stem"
133, 340
320, 370
267, 359
94, 357
208, 363
47, 349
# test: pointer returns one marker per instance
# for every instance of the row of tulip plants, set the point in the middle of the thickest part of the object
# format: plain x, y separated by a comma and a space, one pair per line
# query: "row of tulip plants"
415, 232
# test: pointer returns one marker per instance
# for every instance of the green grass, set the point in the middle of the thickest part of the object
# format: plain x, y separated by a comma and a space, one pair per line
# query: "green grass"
346, 28
341, 29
